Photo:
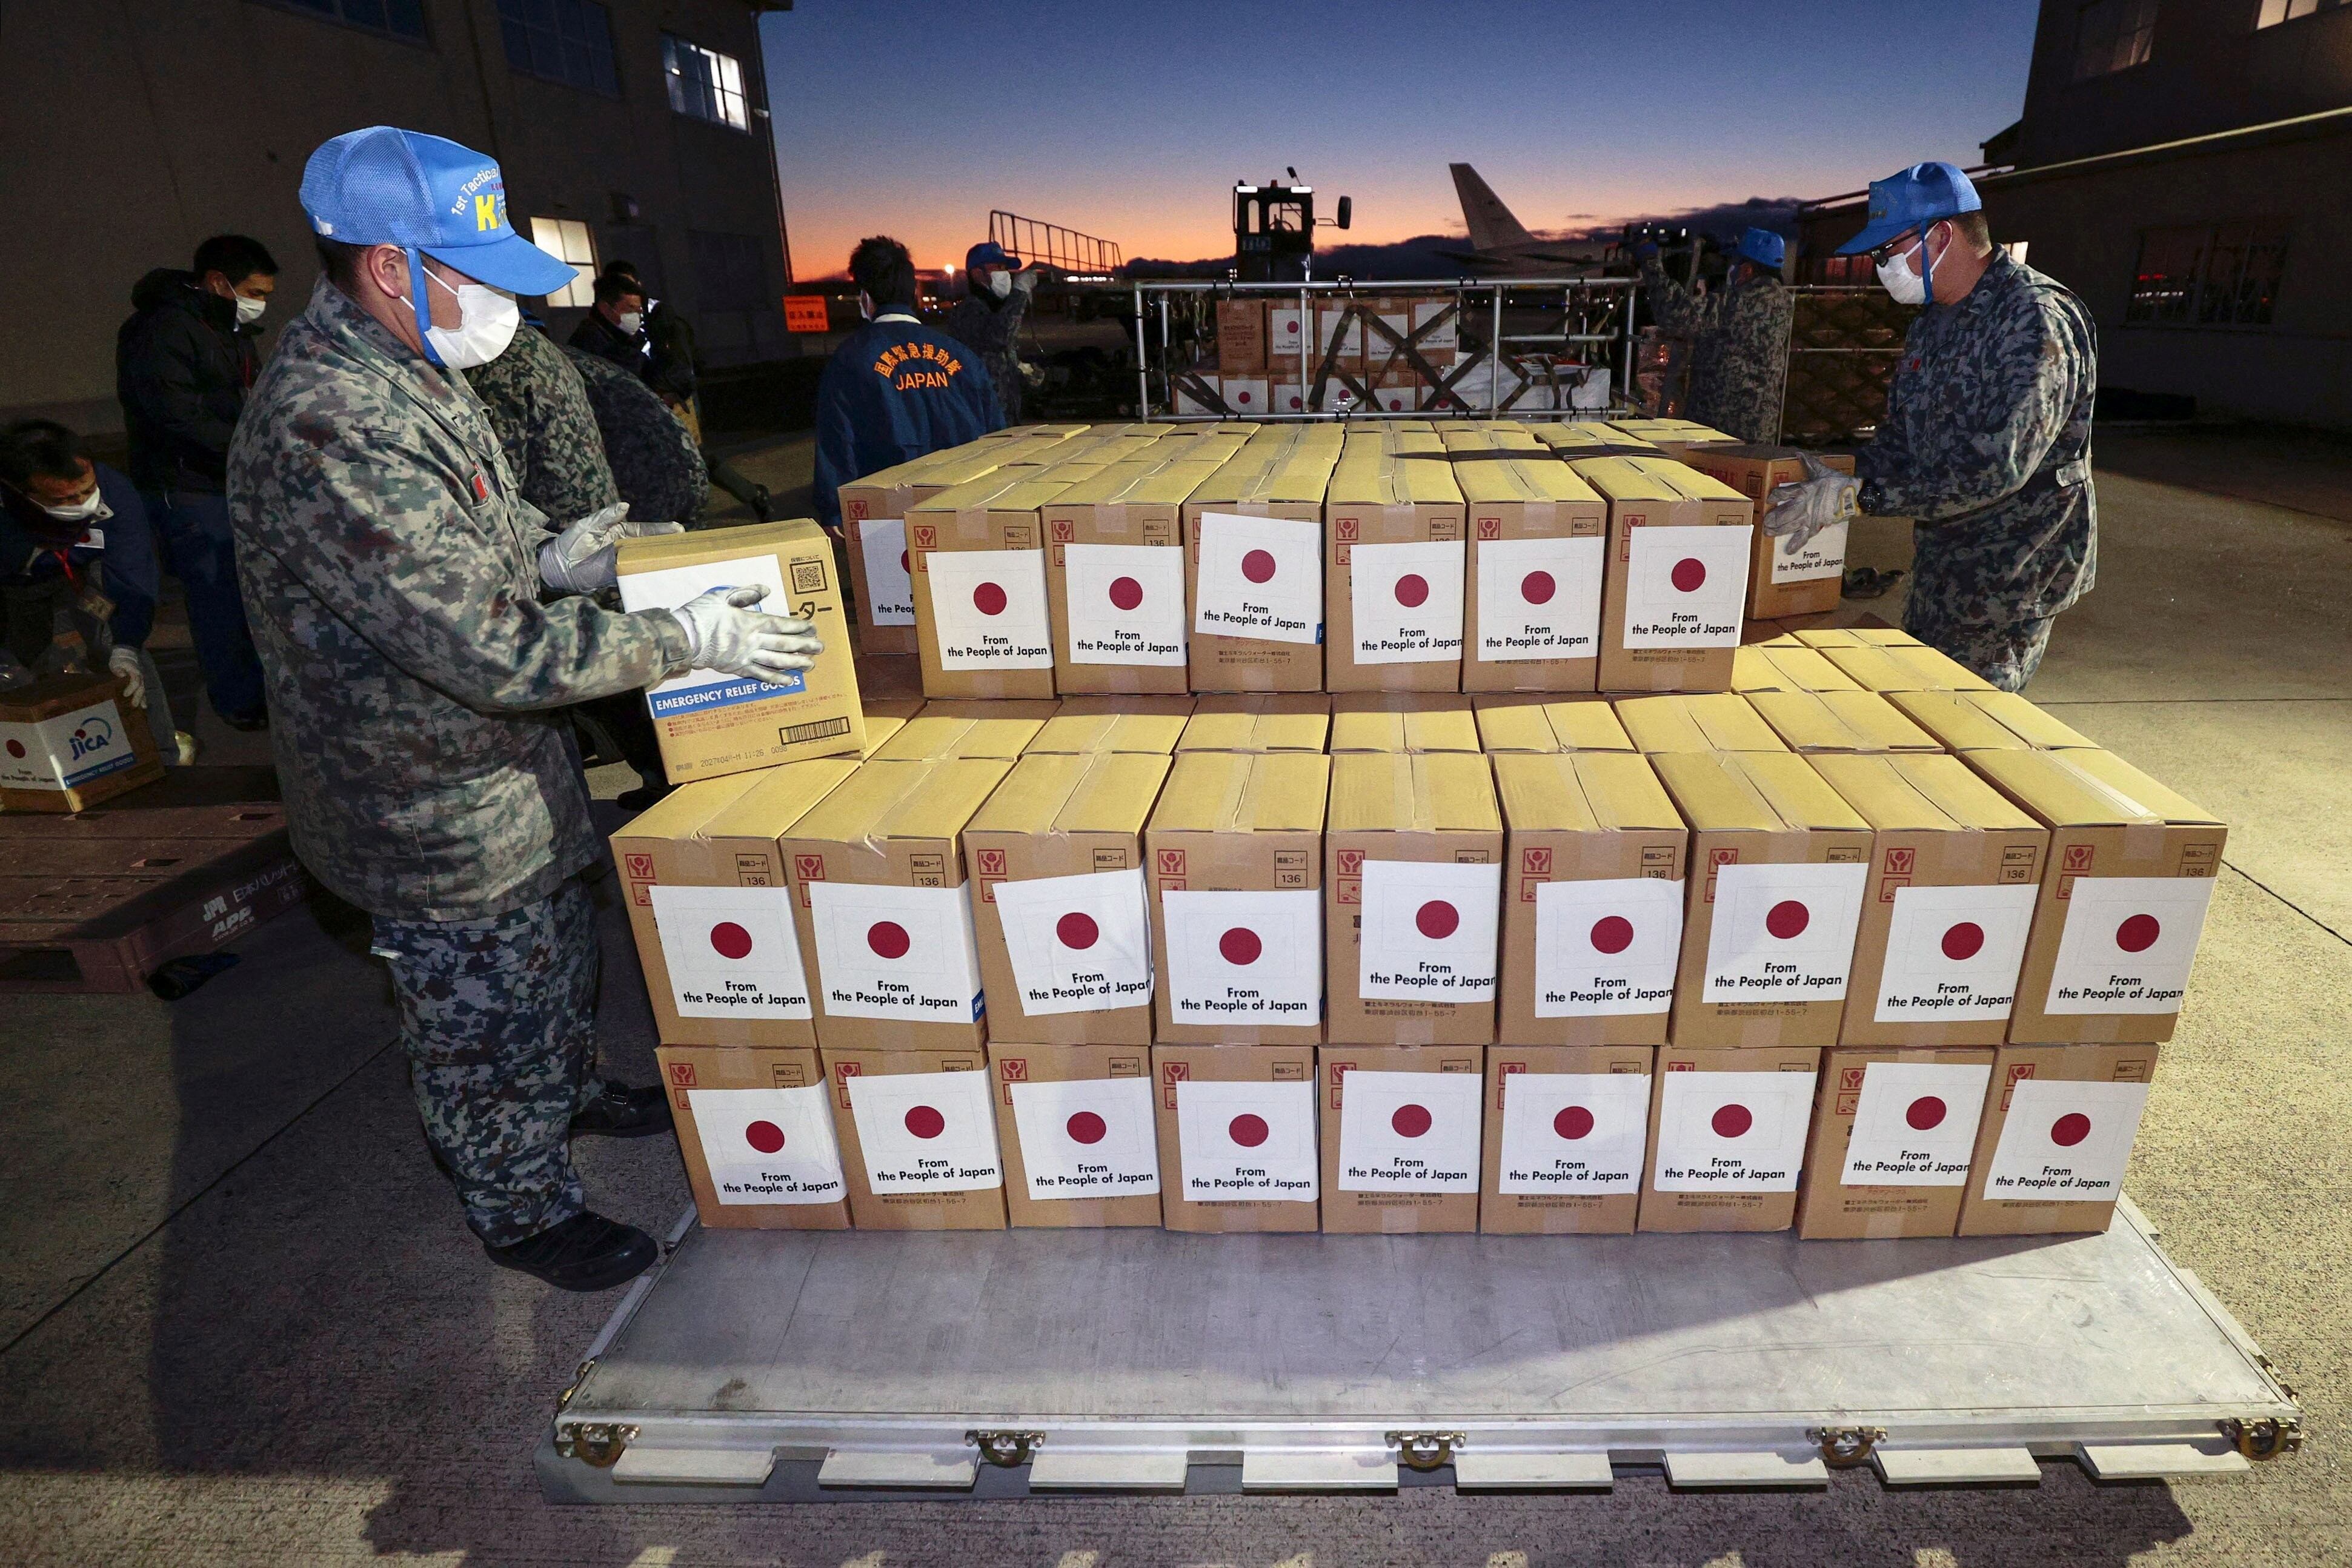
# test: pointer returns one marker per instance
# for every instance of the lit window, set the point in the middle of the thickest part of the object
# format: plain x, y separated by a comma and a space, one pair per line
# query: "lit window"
568, 239
2016, 248
2111, 36
570, 41
2208, 275
400, 18
705, 83
2277, 11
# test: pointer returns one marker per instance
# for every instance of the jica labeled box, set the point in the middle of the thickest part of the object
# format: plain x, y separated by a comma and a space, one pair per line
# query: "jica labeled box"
1253, 573
878, 871
1114, 578
1893, 1133
1533, 725
1593, 890
710, 724
2056, 1138
1235, 850
1237, 1144
1532, 619
1393, 593
1727, 1129
1413, 861
1567, 1131
1055, 861
1780, 581
1401, 1138
918, 1138
1270, 722
977, 553
756, 1134
1677, 578
1080, 1140
67, 742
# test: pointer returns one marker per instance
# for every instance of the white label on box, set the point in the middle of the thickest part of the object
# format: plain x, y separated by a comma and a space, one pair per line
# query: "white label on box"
1188, 401
1732, 1132
1288, 397
66, 751
895, 953
1573, 1132
1607, 947
1822, 556
1953, 954
925, 1132
882, 541
1126, 603
1078, 944
1783, 933
1349, 338
1686, 587
1407, 600
731, 953
1408, 1131
1914, 1124
768, 1145
700, 690
2127, 944
1087, 1138
1396, 399
1245, 957
1260, 577
2065, 1142
1538, 598
1244, 394
1282, 336
1428, 929
1247, 1141
1446, 336
988, 608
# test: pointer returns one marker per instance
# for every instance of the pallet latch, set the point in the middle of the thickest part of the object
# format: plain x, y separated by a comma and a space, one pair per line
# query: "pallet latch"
1426, 1450
1007, 1449
597, 1443
2265, 1438
1845, 1448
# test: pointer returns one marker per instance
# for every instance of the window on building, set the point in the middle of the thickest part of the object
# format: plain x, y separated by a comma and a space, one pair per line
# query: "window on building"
568, 239
2208, 275
399, 18
705, 83
2273, 12
2111, 36
570, 41
2016, 248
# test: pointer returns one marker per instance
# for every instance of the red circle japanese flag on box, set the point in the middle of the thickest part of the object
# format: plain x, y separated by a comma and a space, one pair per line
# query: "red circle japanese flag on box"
1124, 603
1915, 1123
1253, 1141
1245, 957
1574, 1131
731, 953
925, 1132
1408, 1131
887, 951
1087, 1138
1607, 947
1429, 931
1078, 944
2127, 944
768, 1145
988, 608
1732, 1132
2066, 1143
1784, 931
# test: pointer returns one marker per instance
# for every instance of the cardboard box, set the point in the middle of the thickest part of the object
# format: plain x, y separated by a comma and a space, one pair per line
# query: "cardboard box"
1413, 853
2123, 898
755, 1131
1403, 721
1246, 395
1903, 667
1820, 637
1812, 580
1339, 336
1956, 869
1285, 340
710, 724
1574, 438
982, 625
889, 678
1149, 725
1402, 1145
1398, 396
1056, 867
1002, 730
1532, 618
1727, 1128
1276, 722
1829, 723
1560, 724
1676, 585
1568, 1135
1781, 863
1393, 593
1893, 1135
705, 886
1678, 439
71, 740
1237, 1145
1253, 573
1114, 578
1987, 721
1437, 326
918, 1131
876, 874
1593, 899
1241, 337
1078, 1134
873, 528
2056, 1138
1795, 668
1235, 847
1698, 722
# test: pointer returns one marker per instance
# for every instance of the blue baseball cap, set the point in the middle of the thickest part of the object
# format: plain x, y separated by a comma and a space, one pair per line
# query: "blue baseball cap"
384, 186
1764, 247
1919, 195
988, 253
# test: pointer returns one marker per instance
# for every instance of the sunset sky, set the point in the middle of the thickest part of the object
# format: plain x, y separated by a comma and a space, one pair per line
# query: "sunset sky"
1132, 121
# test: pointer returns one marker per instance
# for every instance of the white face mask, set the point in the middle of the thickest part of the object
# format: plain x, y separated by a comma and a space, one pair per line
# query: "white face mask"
248, 309
1908, 287
629, 322
91, 508
486, 320
1000, 284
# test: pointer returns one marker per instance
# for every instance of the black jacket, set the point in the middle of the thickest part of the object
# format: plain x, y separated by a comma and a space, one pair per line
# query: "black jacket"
598, 336
181, 372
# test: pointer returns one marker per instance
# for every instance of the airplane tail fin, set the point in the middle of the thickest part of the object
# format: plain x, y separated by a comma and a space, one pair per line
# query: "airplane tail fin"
1492, 225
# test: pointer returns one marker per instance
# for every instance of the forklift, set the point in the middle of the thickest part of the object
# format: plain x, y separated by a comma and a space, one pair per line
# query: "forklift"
1274, 230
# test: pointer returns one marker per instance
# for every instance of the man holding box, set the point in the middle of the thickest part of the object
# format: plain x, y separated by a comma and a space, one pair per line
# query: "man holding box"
396, 579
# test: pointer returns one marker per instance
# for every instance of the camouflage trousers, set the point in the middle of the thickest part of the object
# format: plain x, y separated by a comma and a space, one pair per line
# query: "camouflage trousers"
2006, 654
499, 1019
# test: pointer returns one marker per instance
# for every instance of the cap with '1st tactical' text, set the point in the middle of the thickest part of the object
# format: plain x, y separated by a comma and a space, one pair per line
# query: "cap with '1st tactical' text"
384, 186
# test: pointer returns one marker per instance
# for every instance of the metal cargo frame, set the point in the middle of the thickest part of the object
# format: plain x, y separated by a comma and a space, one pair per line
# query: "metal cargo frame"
783, 1366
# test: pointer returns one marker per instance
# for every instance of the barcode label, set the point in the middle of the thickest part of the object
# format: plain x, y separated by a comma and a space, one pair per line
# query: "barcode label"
794, 733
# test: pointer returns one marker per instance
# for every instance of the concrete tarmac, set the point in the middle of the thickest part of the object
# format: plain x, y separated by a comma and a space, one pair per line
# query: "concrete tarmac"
240, 1321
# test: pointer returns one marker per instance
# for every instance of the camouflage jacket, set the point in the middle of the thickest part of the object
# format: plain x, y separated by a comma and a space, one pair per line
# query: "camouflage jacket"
390, 570
994, 333
1739, 350
541, 413
656, 463
1987, 447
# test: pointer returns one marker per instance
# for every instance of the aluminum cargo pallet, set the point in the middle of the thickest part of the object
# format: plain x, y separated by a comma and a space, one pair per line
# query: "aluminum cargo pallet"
791, 1366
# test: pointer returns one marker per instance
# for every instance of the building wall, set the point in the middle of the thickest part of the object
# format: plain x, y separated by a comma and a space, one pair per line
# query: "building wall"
135, 128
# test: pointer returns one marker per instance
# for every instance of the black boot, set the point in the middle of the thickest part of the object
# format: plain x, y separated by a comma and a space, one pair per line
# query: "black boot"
623, 1113
586, 1252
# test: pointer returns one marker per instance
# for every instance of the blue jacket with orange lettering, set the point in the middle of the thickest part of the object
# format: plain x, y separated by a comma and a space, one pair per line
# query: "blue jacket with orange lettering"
894, 391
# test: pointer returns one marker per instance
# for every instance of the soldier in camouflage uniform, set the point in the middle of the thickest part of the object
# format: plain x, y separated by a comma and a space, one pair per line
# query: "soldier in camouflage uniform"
397, 584
987, 319
1738, 336
658, 468
1986, 444
541, 411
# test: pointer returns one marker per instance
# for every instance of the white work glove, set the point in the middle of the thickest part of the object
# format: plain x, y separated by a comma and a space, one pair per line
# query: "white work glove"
585, 557
724, 633
124, 662
1026, 279
1796, 511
